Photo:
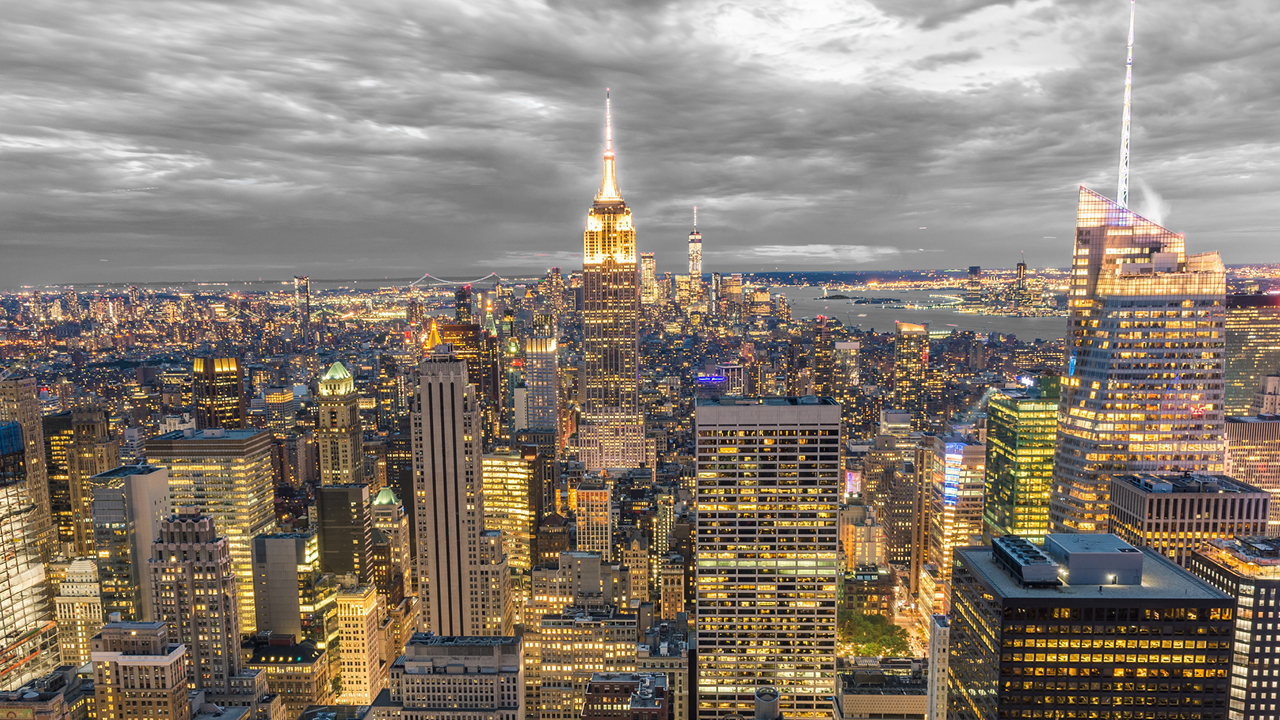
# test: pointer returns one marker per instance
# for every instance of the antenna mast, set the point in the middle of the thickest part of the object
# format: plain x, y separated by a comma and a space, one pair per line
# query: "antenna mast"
1122, 193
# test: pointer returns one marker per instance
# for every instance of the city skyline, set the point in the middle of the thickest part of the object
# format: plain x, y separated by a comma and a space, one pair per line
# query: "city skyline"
973, 123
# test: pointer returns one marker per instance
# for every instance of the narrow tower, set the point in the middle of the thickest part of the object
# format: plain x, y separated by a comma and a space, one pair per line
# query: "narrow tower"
612, 431
1122, 192
695, 251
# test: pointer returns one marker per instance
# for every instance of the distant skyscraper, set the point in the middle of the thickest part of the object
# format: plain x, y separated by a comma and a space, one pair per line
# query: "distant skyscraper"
360, 655
542, 375
595, 519
611, 433
462, 310
910, 367
217, 389
225, 474
746, 549
302, 304
194, 591
1022, 425
291, 595
695, 256
973, 287
955, 513
1253, 456
648, 278
512, 501
79, 605
1253, 347
27, 623
20, 403
338, 431
129, 502
92, 451
345, 529
449, 501
1136, 300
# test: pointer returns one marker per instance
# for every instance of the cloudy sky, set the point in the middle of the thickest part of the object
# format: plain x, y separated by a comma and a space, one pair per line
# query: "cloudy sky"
144, 140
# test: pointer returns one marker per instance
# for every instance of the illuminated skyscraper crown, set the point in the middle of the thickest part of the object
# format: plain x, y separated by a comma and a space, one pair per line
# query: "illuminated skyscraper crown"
609, 182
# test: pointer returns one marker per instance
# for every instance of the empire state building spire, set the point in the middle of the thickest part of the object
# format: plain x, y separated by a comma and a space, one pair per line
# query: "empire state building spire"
609, 182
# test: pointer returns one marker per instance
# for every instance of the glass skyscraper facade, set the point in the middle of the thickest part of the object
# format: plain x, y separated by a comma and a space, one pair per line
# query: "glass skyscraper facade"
1022, 425
1253, 347
1143, 390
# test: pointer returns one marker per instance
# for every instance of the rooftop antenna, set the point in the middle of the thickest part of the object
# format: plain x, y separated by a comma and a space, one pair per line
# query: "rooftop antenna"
1122, 193
695, 218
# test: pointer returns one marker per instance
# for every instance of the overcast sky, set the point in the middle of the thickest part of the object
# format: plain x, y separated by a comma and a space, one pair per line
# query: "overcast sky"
144, 140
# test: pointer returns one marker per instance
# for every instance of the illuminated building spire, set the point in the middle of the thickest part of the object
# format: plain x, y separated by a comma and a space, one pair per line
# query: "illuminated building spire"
609, 183
433, 337
695, 218
1122, 193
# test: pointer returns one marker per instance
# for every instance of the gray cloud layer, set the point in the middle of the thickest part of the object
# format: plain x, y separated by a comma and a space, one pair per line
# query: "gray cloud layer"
205, 140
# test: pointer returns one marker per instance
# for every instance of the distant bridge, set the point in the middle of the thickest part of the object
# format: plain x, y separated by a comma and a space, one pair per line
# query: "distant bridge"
439, 282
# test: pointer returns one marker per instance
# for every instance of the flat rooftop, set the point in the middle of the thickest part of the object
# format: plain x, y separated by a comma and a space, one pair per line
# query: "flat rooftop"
462, 640
127, 470
1195, 484
1162, 579
1253, 418
876, 682
218, 434
730, 401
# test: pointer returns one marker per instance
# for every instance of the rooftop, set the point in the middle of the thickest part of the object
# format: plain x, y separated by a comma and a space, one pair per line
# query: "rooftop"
877, 682
1253, 418
731, 401
209, 434
1186, 483
1161, 578
1254, 557
462, 640
127, 470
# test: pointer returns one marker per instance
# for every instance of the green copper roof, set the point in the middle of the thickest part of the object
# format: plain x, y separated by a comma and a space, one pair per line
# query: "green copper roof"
386, 496
337, 371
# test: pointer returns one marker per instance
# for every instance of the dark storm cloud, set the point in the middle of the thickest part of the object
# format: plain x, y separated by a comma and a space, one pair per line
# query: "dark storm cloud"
389, 137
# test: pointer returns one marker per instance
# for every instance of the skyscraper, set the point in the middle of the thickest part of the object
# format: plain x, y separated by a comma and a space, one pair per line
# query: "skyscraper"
1144, 351
359, 650
20, 403
595, 518
955, 513
695, 257
338, 431
1253, 456
79, 607
1253, 347
27, 624
345, 530
973, 286
767, 545
542, 375
136, 666
449, 501
217, 389
612, 430
1145, 332
225, 474
1022, 425
302, 305
648, 278
910, 365
291, 595
92, 451
129, 502
462, 310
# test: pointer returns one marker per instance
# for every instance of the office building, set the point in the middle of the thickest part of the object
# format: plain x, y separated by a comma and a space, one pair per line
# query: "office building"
1266, 401
138, 672
897, 477
1022, 427
20, 403
28, 622
363, 671
63, 694
217, 390
512, 489
542, 375
338, 432
79, 446
451, 677
575, 644
1248, 570
955, 509
1253, 457
292, 596
1177, 514
302, 305
1134, 289
1041, 631
671, 586
939, 654
611, 432
79, 611
344, 526
628, 696
663, 649
129, 502
649, 293
973, 286
227, 475
910, 367
390, 518
457, 577
595, 518
877, 691
759, 541
298, 673
1253, 348
193, 590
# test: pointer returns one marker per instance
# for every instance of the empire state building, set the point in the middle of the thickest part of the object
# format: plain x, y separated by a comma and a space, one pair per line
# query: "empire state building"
611, 434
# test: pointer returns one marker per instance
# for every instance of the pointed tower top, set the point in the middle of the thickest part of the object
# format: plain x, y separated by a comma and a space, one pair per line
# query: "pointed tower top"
433, 336
695, 218
1122, 192
609, 182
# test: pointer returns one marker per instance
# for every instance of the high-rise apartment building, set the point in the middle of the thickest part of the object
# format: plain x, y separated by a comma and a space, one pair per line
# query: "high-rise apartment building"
1143, 388
291, 595
217, 389
542, 375
1253, 457
193, 590
28, 623
1022, 427
345, 528
456, 575
438, 678
611, 433
955, 512
1248, 570
1177, 514
767, 494
910, 367
20, 403
129, 502
79, 610
363, 669
338, 431
1103, 611
227, 475
1253, 347
138, 672
595, 518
